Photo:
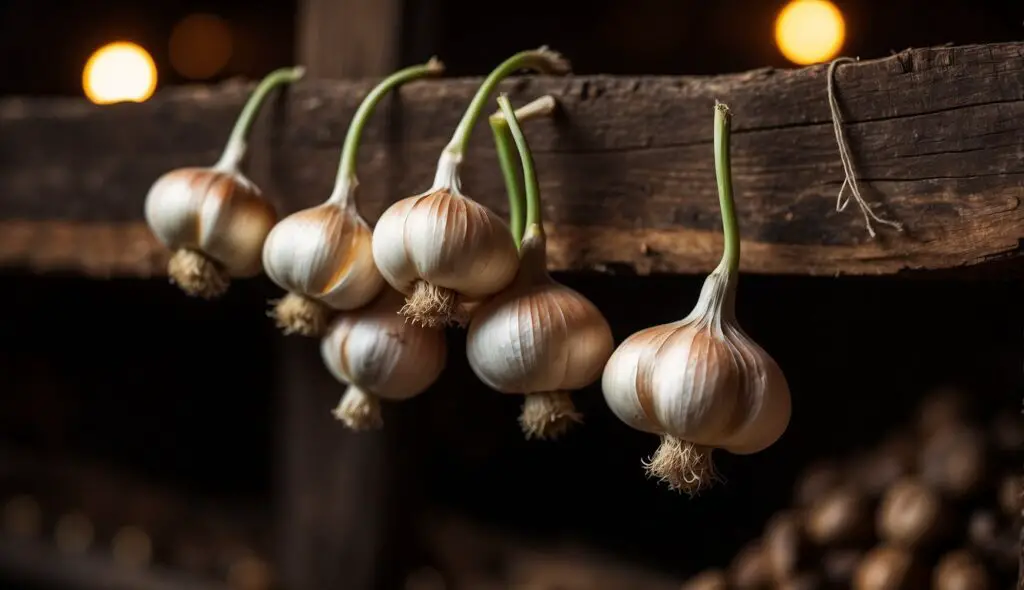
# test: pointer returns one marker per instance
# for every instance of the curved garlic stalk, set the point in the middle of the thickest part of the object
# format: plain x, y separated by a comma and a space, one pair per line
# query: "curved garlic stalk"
441, 247
380, 356
537, 337
215, 219
322, 255
701, 382
511, 168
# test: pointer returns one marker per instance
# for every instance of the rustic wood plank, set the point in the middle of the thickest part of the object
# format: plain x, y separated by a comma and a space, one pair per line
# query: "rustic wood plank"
627, 170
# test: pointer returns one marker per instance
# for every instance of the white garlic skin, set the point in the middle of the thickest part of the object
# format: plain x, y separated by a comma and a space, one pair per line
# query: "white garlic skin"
324, 253
765, 406
701, 379
377, 351
538, 335
679, 379
219, 213
446, 239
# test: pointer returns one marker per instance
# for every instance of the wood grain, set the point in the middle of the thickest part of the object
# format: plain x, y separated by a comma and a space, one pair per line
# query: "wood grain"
626, 168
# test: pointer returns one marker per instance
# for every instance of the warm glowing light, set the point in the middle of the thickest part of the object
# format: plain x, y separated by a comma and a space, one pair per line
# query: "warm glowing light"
200, 46
810, 31
119, 72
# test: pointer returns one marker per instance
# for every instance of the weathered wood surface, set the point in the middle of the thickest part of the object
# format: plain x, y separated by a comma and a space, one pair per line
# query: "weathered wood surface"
627, 169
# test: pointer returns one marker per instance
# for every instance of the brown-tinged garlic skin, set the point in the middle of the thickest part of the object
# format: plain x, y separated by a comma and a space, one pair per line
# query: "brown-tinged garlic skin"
764, 406
324, 253
216, 214
538, 335
377, 351
539, 338
700, 379
380, 356
444, 240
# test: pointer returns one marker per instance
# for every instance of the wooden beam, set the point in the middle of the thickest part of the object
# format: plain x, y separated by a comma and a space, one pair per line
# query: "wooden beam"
627, 170
346, 39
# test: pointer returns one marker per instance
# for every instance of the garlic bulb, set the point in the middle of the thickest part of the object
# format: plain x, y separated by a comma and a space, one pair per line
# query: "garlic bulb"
215, 219
441, 247
701, 382
322, 255
538, 337
381, 356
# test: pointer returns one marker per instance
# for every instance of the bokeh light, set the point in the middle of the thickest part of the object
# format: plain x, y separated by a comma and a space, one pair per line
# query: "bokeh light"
810, 31
200, 46
119, 72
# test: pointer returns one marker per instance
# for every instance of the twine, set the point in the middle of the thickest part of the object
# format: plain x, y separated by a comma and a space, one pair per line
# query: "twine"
850, 182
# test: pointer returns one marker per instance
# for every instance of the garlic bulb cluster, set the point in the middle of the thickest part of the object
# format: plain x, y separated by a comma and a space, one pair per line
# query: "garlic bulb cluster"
441, 248
701, 382
380, 356
215, 219
537, 337
322, 255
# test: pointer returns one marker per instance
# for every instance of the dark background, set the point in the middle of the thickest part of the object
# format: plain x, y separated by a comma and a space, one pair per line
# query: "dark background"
180, 392
45, 43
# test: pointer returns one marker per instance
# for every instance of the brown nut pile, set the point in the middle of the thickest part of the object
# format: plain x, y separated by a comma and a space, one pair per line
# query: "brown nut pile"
935, 505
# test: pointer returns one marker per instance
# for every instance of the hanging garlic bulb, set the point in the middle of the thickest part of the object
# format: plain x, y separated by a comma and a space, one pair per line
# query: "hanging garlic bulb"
701, 382
537, 337
380, 356
441, 247
322, 255
215, 219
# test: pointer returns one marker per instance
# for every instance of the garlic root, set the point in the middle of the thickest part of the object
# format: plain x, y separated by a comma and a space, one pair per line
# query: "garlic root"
548, 415
432, 306
682, 465
298, 314
198, 275
359, 410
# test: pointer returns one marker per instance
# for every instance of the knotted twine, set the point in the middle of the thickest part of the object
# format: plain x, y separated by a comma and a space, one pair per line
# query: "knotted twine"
850, 182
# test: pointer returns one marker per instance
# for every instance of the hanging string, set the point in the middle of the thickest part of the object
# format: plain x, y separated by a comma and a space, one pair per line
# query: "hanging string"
850, 182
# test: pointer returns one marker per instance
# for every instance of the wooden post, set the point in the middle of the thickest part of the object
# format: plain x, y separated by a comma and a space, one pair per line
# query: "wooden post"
332, 494
350, 38
334, 508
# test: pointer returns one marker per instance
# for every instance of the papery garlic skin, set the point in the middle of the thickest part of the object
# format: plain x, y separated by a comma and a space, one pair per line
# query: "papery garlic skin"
446, 239
440, 247
325, 253
215, 219
219, 213
765, 406
377, 352
538, 336
681, 379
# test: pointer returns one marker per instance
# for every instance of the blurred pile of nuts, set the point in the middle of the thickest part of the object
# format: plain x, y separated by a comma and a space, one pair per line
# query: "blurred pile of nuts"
89, 511
935, 505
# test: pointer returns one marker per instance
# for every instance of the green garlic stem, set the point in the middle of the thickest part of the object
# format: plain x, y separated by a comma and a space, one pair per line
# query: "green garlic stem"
542, 60
533, 212
235, 149
346, 178
723, 173
504, 145
508, 159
